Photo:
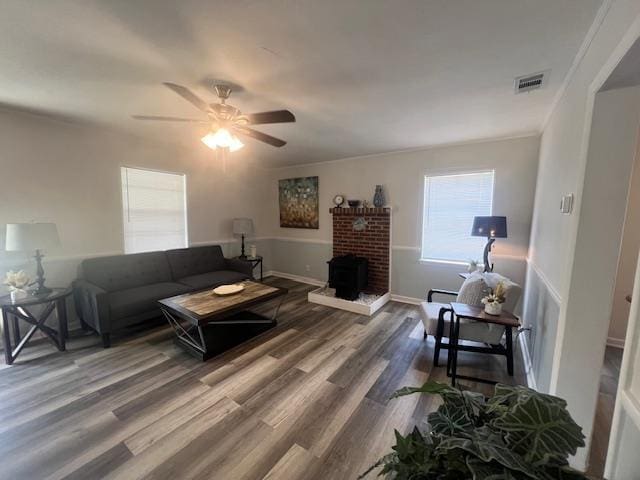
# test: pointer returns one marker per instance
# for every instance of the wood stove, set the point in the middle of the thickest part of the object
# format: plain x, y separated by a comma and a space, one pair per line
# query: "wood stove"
348, 275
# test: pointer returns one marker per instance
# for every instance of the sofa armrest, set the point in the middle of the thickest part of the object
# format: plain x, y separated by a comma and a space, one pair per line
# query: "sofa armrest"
92, 305
441, 292
241, 266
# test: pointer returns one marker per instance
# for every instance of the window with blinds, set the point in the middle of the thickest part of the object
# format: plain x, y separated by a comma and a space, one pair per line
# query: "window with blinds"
154, 210
450, 203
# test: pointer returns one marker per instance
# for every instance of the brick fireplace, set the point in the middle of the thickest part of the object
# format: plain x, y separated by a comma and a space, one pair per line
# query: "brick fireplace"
373, 241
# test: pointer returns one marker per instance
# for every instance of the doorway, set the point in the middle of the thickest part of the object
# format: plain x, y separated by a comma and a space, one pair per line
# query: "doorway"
628, 259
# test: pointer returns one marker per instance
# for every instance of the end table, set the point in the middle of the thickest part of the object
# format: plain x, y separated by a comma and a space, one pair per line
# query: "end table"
477, 314
254, 261
14, 311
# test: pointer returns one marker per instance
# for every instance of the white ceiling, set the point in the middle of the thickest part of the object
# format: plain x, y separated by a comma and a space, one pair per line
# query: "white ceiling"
362, 77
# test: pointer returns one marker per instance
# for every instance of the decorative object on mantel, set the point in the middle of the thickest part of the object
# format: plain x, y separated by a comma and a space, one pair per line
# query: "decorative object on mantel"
354, 203
378, 197
298, 198
25, 237
365, 204
17, 282
493, 302
360, 224
242, 226
338, 200
492, 228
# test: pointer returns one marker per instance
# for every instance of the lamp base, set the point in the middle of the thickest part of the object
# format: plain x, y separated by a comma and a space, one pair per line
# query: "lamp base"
488, 267
42, 290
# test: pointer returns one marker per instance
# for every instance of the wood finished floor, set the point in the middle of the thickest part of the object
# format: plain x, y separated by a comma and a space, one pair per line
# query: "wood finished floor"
604, 411
307, 400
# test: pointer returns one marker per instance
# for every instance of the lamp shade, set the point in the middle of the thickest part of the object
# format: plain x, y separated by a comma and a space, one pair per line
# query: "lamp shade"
242, 226
490, 227
21, 237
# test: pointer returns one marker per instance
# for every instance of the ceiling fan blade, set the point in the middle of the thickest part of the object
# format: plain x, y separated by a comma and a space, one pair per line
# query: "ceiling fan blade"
167, 119
263, 137
189, 96
275, 116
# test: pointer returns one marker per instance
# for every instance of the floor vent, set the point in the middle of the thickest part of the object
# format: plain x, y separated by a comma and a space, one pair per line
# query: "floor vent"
534, 81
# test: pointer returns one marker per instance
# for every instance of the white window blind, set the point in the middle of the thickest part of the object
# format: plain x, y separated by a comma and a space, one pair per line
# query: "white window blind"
450, 203
154, 210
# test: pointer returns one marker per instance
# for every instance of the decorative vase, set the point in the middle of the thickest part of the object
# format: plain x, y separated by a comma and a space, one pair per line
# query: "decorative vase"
253, 251
378, 197
493, 308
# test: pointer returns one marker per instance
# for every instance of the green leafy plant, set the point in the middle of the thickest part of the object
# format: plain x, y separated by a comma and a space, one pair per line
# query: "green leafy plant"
518, 434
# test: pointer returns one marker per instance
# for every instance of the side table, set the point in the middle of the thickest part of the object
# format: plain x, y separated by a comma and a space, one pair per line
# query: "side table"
254, 261
13, 312
477, 314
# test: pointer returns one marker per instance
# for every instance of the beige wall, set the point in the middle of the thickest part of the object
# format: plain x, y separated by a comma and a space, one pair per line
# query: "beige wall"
628, 260
402, 176
67, 173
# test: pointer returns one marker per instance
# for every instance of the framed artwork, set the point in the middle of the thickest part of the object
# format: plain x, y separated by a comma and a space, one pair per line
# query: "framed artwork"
298, 198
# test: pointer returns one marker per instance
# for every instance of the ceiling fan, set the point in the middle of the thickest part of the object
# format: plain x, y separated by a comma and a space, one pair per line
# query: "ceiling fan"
226, 121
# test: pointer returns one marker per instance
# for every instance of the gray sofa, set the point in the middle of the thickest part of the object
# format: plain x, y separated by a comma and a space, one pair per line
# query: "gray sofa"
122, 290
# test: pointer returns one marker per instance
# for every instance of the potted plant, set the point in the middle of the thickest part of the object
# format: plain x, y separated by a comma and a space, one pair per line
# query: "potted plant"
518, 434
16, 281
493, 302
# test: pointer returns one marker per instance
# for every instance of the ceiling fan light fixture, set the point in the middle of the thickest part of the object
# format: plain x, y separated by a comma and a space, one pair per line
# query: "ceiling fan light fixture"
222, 139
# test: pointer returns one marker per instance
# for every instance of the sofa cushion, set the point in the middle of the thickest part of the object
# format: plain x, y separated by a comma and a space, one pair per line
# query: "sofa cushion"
473, 290
213, 279
139, 300
186, 262
122, 272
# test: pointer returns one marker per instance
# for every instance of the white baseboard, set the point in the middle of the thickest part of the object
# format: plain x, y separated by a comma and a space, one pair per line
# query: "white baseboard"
615, 342
359, 308
528, 366
296, 278
403, 299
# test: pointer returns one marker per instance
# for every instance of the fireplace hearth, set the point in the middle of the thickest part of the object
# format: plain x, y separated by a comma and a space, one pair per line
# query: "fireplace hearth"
348, 275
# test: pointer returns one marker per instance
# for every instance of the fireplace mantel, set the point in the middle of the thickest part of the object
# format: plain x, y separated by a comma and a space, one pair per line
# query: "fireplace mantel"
359, 211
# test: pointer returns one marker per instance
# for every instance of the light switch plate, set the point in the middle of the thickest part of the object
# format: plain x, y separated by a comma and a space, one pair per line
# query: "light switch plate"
566, 204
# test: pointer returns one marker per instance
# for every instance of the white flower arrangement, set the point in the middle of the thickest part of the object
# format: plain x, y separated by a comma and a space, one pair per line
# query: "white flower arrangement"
496, 297
16, 280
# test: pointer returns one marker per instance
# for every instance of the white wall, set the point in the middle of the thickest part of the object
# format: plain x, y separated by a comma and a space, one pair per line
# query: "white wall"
402, 176
580, 348
564, 144
68, 173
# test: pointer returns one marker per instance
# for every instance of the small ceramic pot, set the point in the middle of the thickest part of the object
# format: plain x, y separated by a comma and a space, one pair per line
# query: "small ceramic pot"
493, 308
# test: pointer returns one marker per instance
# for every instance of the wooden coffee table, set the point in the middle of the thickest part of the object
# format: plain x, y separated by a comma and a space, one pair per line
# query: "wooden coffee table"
207, 324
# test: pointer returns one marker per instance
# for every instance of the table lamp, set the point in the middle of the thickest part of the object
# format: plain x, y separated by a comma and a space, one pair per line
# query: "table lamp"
492, 228
242, 226
21, 237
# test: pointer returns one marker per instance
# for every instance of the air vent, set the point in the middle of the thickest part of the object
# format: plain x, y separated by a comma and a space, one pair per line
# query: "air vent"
534, 81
